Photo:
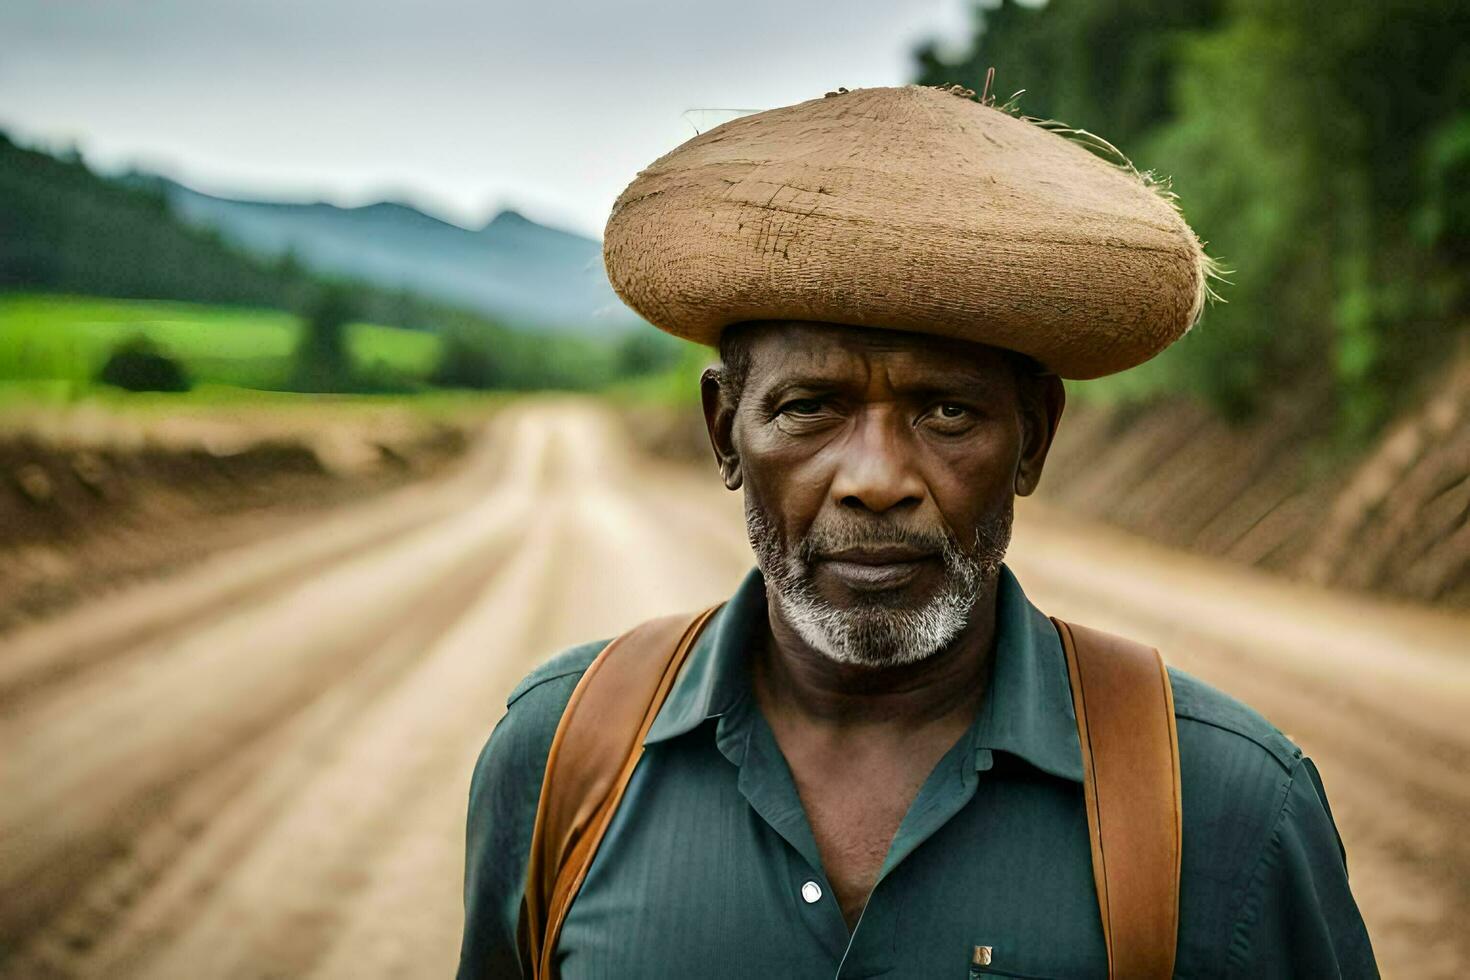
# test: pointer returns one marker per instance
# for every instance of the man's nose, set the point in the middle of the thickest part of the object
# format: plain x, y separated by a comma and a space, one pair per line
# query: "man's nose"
876, 469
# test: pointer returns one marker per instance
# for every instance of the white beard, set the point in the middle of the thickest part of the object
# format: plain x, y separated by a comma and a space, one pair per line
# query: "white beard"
876, 633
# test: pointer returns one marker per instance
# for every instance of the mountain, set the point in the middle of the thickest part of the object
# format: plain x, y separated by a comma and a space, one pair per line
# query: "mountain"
513, 268
64, 228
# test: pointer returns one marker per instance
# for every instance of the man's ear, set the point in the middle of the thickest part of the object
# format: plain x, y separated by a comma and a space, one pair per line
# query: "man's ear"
719, 419
1041, 411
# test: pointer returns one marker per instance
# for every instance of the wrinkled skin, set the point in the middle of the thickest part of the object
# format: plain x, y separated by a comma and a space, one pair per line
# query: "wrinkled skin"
847, 437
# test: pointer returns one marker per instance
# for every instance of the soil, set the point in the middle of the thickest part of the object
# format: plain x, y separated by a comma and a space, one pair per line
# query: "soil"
257, 766
1391, 520
85, 510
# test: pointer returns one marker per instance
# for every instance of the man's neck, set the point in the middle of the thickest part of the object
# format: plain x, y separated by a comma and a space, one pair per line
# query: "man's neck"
800, 683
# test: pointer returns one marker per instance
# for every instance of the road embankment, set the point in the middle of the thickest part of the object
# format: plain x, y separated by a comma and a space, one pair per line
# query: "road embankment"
92, 499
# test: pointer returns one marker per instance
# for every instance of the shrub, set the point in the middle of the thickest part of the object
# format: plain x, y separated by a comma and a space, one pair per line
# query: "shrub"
137, 364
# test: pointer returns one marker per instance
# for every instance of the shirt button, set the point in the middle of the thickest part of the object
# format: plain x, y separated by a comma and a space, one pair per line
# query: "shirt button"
811, 892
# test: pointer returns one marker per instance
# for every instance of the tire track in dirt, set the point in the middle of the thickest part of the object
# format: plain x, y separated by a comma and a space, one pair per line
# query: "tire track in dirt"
196, 839
348, 813
89, 770
618, 561
176, 714
412, 879
158, 612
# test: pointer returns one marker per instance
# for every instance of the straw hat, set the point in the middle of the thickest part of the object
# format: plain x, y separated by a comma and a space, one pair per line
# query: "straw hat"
912, 208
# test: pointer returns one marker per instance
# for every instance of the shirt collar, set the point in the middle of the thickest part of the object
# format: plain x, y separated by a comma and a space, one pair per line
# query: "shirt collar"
714, 676
1027, 712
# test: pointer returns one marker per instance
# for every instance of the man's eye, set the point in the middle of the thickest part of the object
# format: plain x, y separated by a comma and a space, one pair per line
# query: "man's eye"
801, 406
952, 415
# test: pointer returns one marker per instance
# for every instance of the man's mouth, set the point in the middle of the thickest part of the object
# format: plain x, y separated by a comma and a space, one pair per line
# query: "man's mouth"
875, 569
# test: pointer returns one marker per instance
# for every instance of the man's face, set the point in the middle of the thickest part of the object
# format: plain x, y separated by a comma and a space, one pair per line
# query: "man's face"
880, 470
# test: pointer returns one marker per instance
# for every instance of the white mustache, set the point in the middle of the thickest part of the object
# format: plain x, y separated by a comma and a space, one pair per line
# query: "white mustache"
819, 541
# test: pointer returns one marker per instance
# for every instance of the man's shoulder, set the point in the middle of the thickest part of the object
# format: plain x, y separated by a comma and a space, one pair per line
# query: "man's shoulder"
533, 711
509, 769
1214, 724
558, 675
504, 792
1237, 771
1261, 850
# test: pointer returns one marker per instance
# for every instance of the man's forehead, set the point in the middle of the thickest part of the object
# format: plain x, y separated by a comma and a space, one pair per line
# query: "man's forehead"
837, 350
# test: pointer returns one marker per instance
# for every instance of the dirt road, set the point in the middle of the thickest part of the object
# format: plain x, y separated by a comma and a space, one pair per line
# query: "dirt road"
259, 768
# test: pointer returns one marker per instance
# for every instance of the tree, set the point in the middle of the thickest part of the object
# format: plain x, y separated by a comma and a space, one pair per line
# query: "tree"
646, 351
322, 360
466, 361
1322, 152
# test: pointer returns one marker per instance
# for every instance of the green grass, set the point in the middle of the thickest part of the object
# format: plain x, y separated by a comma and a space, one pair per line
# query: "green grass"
63, 340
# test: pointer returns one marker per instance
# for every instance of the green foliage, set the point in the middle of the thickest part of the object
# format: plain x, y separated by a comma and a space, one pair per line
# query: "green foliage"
1323, 152
68, 338
322, 361
645, 352
137, 364
467, 362
1104, 65
676, 384
65, 230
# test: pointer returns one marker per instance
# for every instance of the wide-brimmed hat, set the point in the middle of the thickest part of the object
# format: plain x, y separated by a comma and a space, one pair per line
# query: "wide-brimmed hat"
912, 208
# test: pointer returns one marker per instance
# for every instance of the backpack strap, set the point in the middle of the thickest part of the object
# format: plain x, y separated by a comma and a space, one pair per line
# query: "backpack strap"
1130, 766
597, 745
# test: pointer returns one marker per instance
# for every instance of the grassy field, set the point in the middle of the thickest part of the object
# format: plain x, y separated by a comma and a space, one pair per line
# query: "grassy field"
57, 343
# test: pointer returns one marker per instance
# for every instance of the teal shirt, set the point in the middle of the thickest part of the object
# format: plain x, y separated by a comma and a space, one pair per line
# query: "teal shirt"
708, 867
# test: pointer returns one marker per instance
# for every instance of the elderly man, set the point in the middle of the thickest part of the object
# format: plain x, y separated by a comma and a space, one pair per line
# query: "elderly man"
878, 757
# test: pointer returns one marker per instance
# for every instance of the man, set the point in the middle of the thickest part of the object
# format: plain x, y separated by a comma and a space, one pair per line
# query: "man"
869, 763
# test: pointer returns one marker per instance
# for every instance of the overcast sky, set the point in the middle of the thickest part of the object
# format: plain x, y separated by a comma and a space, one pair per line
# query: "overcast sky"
459, 106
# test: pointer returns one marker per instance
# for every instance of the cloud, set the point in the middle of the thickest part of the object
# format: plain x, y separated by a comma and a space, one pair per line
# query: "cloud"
552, 106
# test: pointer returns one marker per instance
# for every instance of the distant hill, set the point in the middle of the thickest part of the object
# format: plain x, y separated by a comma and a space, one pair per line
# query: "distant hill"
512, 269
65, 229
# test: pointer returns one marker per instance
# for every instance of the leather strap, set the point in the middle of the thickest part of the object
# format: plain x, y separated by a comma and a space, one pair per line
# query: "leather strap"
596, 747
1130, 764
